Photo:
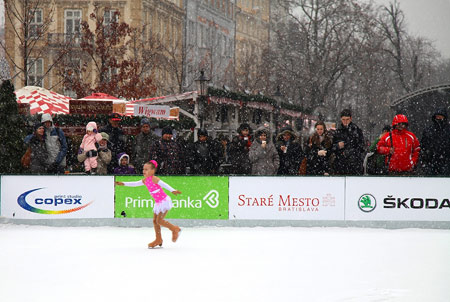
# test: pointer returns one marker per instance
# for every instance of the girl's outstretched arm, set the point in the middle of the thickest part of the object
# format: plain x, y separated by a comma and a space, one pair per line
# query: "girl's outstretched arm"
166, 186
130, 183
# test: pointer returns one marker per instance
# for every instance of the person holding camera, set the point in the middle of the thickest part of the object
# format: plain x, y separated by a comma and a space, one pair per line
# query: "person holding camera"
263, 154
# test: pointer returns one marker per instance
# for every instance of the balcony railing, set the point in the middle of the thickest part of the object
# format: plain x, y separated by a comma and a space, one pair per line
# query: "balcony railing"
64, 40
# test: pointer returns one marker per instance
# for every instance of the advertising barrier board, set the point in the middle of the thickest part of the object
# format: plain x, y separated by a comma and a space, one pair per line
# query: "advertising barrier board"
203, 197
287, 198
398, 199
57, 197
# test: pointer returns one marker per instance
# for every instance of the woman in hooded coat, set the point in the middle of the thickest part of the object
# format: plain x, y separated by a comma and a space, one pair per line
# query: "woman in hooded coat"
263, 154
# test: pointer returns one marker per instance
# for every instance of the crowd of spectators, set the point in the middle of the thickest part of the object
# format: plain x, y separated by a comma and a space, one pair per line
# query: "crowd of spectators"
341, 151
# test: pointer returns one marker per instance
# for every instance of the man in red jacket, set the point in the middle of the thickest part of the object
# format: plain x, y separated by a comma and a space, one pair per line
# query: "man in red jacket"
400, 146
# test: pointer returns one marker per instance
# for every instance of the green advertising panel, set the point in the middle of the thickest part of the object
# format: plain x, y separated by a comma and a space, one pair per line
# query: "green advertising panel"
203, 197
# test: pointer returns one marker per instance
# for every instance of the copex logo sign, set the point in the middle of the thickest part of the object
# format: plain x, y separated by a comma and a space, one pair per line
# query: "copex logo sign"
42, 203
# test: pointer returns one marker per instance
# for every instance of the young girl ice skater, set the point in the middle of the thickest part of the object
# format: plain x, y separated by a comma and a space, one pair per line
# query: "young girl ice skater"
163, 203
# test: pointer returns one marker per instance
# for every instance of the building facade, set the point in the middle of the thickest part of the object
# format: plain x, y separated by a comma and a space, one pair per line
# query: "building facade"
209, 42
252, 37
56, 24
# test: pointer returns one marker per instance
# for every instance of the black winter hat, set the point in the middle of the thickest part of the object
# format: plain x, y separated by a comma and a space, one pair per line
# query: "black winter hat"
167, 130
37, 125
202, 132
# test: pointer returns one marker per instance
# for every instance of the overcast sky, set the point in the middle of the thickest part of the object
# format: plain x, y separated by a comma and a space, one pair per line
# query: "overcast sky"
427, 18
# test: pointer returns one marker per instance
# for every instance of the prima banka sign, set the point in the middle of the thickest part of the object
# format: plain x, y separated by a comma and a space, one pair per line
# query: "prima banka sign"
287, 198
57, 197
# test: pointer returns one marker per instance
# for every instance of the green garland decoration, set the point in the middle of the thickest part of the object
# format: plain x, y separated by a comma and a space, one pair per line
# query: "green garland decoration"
253, 98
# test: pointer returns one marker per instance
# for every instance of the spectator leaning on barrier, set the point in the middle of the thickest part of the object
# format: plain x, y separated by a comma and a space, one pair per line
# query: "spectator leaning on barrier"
56, 143
168, 154
348, 147
263, 154
225, 161
142, 145
318, 150
401, 147
117, 139
104, 155
39, 154
289, 151
239, 149
204, 155
435, 145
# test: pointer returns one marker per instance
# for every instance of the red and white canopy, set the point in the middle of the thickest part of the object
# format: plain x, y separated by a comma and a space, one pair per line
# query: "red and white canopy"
99, 96
42, 100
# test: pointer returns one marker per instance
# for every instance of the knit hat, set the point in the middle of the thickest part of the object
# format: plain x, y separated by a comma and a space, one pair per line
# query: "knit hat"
145, 121
46, 117
91, 126
37, 125
105, 136
167, 130
122, 155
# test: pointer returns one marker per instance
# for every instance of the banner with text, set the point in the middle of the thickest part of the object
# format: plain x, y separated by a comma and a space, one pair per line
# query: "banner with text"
203, 197
57, 197
398, 198
155, 111
287, 198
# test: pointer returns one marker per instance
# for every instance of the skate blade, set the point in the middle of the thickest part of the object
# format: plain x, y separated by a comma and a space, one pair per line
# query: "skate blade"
155, 247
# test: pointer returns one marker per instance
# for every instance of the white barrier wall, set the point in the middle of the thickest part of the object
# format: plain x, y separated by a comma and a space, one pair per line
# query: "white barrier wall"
397, 198
57, 197
287, 198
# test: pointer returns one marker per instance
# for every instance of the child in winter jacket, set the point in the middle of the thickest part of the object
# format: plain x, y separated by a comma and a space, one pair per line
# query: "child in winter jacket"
124, 166
89, 148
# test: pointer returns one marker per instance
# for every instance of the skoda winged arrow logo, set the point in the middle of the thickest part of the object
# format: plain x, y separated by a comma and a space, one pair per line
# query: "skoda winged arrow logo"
367, 203
212, 199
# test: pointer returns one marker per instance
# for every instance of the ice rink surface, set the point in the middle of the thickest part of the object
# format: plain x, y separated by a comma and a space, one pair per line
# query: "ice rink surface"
80, 264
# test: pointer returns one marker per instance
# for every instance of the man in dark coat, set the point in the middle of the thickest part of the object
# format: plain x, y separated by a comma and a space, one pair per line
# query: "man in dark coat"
204, 154
348, 147
289, 151
239, 149
435, 145
168, 154
142, 144
117, 139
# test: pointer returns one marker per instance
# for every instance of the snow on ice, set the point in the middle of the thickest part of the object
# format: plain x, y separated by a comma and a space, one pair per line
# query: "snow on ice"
40, 263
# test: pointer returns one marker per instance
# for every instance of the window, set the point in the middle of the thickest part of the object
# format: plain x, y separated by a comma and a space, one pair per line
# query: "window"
35, 29
110, 17
72, 72
35, 72
72, 29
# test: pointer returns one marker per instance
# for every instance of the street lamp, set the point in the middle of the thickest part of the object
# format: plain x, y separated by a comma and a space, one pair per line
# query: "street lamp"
202, 89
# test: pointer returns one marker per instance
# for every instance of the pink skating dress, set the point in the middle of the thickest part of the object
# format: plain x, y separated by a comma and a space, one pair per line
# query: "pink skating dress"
163, 202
